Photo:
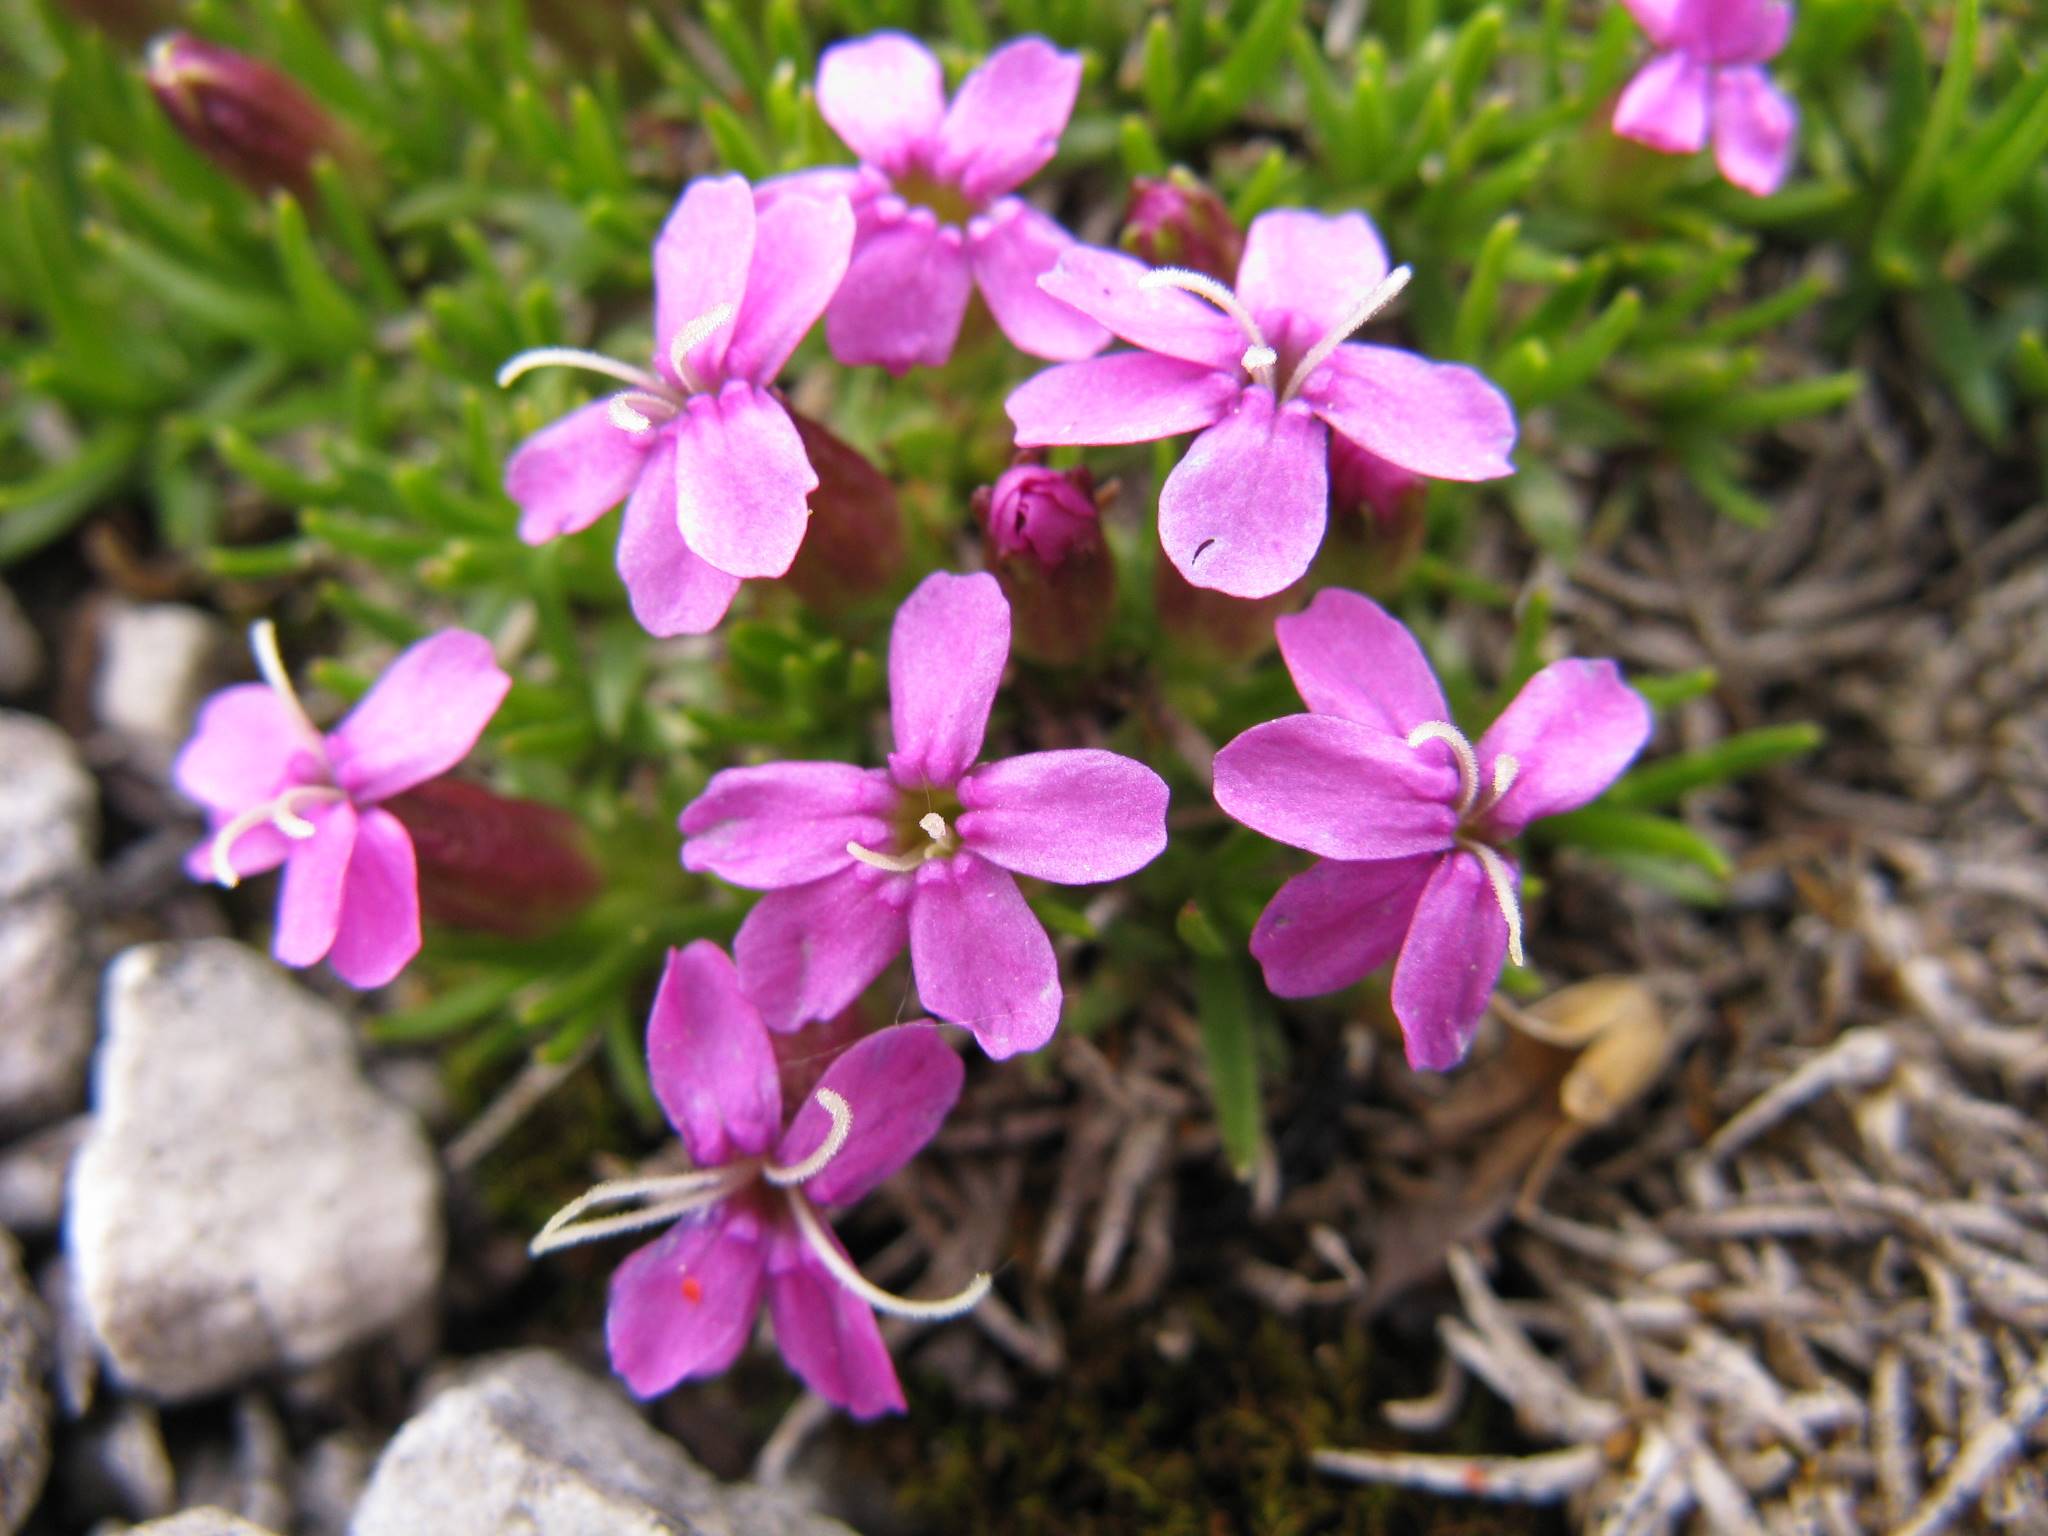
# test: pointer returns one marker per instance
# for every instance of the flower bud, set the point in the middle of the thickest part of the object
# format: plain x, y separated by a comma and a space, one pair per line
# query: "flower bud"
855, 541
1377, 521
490, 862
254, 122
1045, 547
1176, 221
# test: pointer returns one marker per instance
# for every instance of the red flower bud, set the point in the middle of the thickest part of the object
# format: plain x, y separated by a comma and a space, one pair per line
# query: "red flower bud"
1178, 222
1045, 547
255, 123
855, 541
491, 862
1376, 521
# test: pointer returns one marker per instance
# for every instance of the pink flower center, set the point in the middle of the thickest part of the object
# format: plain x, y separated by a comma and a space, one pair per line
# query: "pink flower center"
310, 769
652, 401
1261, 360
921, 189
1475, 834
923, 833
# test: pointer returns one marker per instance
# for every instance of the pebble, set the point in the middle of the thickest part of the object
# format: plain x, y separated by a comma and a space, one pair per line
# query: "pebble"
48, 992
156, 661
207, 1520
24, 1405
50, 811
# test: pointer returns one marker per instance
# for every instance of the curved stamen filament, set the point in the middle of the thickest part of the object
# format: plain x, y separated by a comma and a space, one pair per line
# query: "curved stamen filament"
1378, 298
1506, 768
1259, 357
1502, 879
270, 664
575, 357
693, 336
639, 410
933, 825
281, 812
812, 1166
820, 1243
669, 1197
1461, 749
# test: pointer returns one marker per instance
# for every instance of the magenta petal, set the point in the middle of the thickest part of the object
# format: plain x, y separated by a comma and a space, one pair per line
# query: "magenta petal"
1011, 247
1339, 789
1106, 285
884, 95
946, 655
315, 882
1338, 921
826, 1333
673, 590
785, 823
741, 481
903, 296
1302, 272
1665, 106
1127, 397
1571, 730
684, 1306
1442, 420
1243, 512
246, 747
899, 1084
807, 951
1349, 656
573, 471
420, 718
800, 253
1007, 117
1754, 127
1736, 31
710, 1061
1663, 21
701, 259
379, 930
1076, 817
981, 957
1457, 943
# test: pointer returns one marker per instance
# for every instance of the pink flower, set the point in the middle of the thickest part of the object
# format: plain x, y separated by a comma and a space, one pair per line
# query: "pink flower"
702, 451
1706, 80
858, 861
746, 1220
1264, 375
1041, 514
277, 791
931, 194
1409, 818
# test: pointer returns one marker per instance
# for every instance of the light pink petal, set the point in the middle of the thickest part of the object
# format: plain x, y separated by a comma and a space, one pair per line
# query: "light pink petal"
1664, 21
673, 590
826, 1333
1007, 117
981, 957
255, 852
1127, 397
1755, 125
246, 747
807, 951
420, 718
1457, 943
701, 259
1442, 420
1349, 656
1737, 31
379, 930
1337, 922
315, 880
1106, 285
741, 481
1243, 512
900, 1084
710, 1060
1076, 817
822, 184
785, 823
903, 296
946, 655
1302, 272
1343, 790
1665, 106
1011, 247
683, 1307
800, 253
573, 471
1571, 730
884, 95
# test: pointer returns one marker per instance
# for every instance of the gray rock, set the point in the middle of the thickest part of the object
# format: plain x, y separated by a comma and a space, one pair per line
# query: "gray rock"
118, 1464
527, 1445
245, 1200
330, 1481
49, 1033
156, 660
24, 1405
33, 1172
21, 653
204, 1521
50, 809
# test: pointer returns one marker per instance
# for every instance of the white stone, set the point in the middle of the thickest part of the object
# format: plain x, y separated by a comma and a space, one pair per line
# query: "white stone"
155, 662
24, 1405
245, 1200
49, 806
207, 1520
47, 1038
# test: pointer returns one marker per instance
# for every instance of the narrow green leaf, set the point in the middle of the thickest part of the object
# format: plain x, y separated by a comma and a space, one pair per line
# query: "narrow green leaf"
1662, 782
1480, 302
453, 1008
1605, 829
1223, 1005
42, 508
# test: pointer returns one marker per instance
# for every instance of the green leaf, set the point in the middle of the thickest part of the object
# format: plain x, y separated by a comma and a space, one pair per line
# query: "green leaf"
453, 1008
1223, 1005
1733, 757
43, 508
1610, 830
1480, 303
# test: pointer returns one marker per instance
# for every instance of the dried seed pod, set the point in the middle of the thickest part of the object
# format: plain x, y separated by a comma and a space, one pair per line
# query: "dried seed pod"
1623, 1042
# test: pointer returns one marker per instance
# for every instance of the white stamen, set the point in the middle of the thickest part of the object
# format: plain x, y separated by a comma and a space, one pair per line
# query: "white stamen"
284, 810
933, 825
281, 812
827, 1251
672, 1195
263, 643
1256, 358
637, 411
1382, 294
1505, 769
1502, 879
224, 842
812, 1166
1259, 357
693, 336
575, 357
1468, 761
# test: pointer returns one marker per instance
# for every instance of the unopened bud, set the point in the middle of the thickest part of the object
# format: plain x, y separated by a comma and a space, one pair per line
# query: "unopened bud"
254, 122
490, 862
1045, 547
855, 540
1176, 221
1376, 521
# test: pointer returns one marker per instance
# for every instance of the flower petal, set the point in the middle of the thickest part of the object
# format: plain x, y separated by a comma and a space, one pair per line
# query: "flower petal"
1007, 118
1243, 512
1443, 420
683, 1307
900, 1084
1736, 31
1457, 943
1338, 921
785, 823
1755, 125
1665, 106
573, 471
981, 958
741, 481
710, 1061
946, 654
1664, 22
1337, 788
1127, 397
884, 95
246, 747
256, 852
701, 259
420, 718
1011, 247
807, 951
379, 930
903, 296
1106, 286
315, 880
1076, 817
1302, 272
1349, 656
800, 253
673, 589
1571, 730
826, 1333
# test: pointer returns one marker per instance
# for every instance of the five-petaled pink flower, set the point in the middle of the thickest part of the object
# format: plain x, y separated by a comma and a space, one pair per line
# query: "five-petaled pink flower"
856, 861
746, 1219
278, 791
701, 449
931, 194
1409, 818
1707, 81
1264, 374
